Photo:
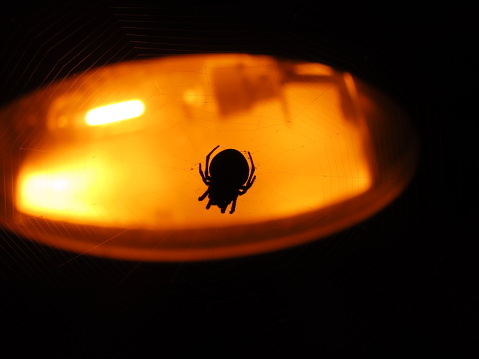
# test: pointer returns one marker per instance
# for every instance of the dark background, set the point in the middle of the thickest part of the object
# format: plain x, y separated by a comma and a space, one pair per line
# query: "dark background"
404, 282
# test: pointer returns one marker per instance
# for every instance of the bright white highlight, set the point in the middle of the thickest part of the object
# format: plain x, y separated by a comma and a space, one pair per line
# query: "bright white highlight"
116, 112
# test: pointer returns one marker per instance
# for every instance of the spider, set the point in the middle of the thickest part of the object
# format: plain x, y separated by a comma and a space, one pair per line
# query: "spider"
226, 177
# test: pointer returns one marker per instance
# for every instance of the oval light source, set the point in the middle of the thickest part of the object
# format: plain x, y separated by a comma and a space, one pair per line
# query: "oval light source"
116, 112
107, 163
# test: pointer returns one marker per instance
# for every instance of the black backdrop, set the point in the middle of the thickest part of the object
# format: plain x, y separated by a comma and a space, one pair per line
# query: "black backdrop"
403, 282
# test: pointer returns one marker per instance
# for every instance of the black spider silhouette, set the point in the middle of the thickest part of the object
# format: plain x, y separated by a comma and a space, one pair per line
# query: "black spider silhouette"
226, 177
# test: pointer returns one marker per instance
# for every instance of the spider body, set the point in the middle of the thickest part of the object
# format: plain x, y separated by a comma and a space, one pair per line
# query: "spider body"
227, 177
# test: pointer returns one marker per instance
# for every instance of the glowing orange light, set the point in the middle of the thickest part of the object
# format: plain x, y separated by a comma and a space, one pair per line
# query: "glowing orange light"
114, 113
129, 189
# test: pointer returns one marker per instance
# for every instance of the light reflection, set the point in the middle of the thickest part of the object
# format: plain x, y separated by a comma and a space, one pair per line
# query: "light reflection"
57, 194
313, 161
114, 113
308, 127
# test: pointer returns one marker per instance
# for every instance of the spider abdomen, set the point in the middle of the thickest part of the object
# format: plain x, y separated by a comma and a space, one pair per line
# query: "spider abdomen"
229, 168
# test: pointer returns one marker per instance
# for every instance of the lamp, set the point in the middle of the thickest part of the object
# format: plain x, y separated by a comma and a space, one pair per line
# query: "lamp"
107, 163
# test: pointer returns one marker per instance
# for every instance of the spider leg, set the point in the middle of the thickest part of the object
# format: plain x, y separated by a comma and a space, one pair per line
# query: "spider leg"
207, 167
251, 178
253, 168
251, 159
233, 206
209, 204
203, 195
245, 188
206, 179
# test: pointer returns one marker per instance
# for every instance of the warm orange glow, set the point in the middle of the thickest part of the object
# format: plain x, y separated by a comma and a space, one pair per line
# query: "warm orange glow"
302, 123
114, 113
51, 192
